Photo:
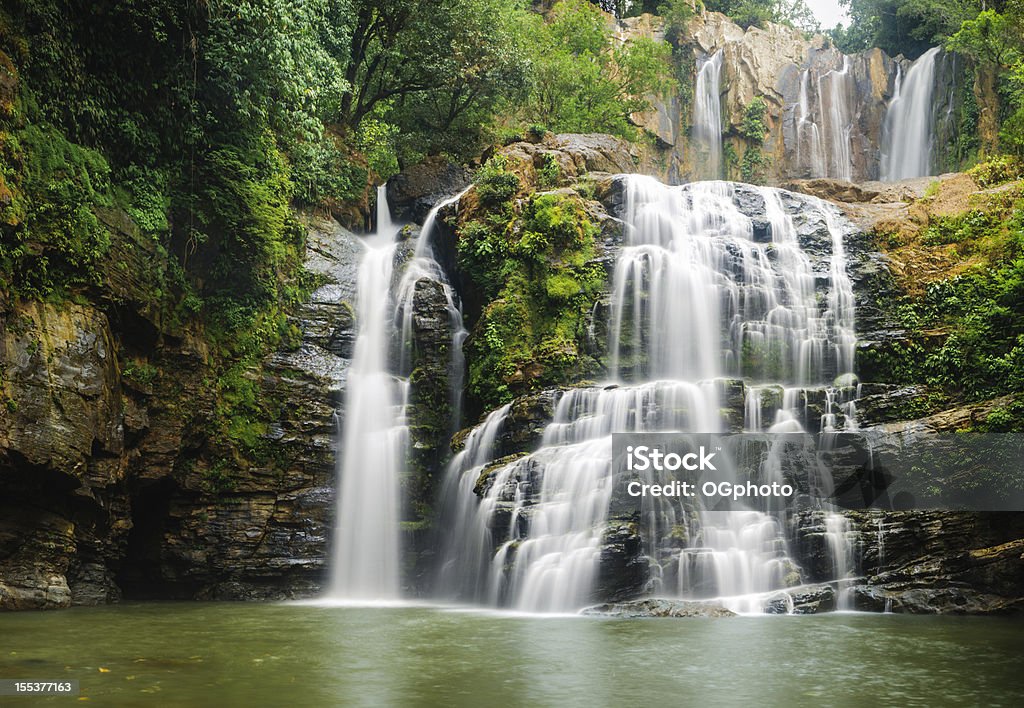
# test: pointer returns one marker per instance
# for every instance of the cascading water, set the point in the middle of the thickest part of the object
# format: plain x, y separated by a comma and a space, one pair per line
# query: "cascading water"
908, 130
423, 267
374, 438
374, 441
824, 120
810, 151
707, 116
835, 90
703, 295
468, 549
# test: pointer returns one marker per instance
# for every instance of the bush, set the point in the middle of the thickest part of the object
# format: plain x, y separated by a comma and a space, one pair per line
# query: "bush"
753, 128
997, 170
537, 275
495, 183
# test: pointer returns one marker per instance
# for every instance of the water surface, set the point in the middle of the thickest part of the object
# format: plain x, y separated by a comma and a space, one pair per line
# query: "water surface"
265, 654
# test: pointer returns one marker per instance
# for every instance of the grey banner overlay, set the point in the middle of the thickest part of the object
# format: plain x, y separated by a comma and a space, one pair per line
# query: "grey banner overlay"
849, 470
38, 687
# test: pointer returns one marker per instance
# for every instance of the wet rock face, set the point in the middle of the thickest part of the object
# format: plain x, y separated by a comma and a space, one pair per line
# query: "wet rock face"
432, 407
266, 535
624, 570
62, 433
107, 480
62, 388
928, 562
414, 191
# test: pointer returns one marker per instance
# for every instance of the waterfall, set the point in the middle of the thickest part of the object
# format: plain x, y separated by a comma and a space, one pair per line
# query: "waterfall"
707, 117
825, 122
835, 89
711, 289
908, 128
838, 537
466, 547
810, 151
374, 441
694, 264
374, 438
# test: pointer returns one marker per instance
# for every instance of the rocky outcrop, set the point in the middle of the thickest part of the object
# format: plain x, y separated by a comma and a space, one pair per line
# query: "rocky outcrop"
825, 111
928, 562
576, 155
111, 484
62, 456
264, 533
658, 607
415, 190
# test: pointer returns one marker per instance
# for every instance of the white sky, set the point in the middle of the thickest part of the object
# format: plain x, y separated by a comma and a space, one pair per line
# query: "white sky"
828, 12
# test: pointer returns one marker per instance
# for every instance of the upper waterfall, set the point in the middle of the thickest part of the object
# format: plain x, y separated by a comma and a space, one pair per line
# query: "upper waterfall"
707, 116
907, 138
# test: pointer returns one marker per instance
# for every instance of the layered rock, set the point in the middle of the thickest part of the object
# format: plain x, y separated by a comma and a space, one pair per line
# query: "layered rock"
930, 562
110, 483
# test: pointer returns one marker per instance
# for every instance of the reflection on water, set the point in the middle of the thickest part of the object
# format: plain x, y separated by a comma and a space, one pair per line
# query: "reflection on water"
248, 654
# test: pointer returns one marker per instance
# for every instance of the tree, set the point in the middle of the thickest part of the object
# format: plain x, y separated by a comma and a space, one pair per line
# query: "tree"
581, 81
995, 42
484, 65
428, 74
757, 13
908, 27
990, 38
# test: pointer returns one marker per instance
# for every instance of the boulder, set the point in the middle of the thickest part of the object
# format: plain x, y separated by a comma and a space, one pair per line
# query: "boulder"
414, 191
658, 607
575, 154
801, 600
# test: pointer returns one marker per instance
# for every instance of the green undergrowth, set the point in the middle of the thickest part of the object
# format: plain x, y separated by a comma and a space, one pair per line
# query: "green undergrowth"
532, 262
965, 334
198, 243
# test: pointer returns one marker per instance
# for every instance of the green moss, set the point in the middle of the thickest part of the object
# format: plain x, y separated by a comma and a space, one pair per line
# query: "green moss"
541, 282
53, 240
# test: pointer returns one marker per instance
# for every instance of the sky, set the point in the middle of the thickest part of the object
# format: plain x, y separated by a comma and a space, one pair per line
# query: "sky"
828, 12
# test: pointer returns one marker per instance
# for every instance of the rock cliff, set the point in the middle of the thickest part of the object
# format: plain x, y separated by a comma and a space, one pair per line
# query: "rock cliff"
824, 112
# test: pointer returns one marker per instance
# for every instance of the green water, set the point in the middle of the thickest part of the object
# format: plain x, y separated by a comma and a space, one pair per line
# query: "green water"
292, 655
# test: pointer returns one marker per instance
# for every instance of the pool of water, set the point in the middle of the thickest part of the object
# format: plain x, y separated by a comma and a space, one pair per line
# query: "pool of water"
172, 654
